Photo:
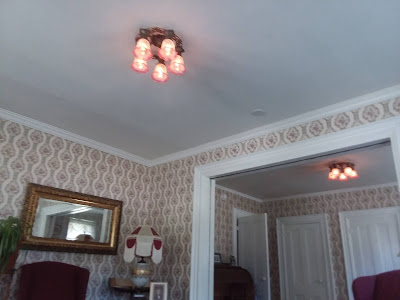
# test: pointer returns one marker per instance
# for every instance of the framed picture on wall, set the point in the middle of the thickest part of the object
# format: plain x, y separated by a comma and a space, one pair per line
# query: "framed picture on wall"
158, 291
217, 258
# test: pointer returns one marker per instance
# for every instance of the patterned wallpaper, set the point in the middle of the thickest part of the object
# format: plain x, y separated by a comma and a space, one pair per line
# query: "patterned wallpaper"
159, 196
331, 204
28, 155
223, 219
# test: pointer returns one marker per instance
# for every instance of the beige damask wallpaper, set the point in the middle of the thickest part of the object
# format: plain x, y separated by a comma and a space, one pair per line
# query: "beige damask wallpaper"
159, 196
28, 155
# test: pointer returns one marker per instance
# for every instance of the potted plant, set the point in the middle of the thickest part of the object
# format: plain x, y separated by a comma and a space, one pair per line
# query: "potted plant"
10, 235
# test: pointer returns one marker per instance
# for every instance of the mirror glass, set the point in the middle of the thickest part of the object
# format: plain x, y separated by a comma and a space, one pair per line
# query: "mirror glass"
59, 220
69, 221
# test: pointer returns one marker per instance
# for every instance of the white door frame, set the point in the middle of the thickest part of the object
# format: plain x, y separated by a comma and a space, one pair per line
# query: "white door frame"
236, 214
306, 219
202, 254
343, 217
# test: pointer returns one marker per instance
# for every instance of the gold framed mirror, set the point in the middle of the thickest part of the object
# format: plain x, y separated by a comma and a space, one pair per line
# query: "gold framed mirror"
60, 220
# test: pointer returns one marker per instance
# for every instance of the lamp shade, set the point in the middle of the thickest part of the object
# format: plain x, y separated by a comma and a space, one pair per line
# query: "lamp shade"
139, 65
177, 66
144, 241
160, 73
142, 49
167, 51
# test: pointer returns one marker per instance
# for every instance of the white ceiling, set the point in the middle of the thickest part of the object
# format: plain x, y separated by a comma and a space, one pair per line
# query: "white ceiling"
67, 63
373, 164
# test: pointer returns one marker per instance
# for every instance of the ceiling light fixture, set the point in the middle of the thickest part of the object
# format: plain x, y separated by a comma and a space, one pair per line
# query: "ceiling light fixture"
342, 171
160, 44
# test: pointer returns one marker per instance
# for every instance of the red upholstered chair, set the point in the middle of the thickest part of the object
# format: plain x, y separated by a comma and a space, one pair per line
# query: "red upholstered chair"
384, 286
53, 280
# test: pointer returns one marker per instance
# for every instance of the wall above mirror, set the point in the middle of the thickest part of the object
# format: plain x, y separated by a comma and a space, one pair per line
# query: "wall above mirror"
60, 220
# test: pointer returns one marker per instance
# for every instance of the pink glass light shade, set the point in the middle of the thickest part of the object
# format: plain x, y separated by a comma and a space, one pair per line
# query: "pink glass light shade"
332, 176
140, 65
160, 73
354, 174
177, 66
167, 51
142, 49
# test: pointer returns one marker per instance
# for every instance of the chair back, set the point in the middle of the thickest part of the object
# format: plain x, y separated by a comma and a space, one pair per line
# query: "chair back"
53, 280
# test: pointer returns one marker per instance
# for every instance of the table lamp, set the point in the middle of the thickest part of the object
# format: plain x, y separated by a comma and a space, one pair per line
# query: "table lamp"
143, 242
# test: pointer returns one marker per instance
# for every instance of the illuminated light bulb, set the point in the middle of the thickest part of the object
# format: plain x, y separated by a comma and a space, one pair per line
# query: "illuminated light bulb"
167, 51
160, 73
139, 65
177, 66
342, 176
332, 176
335, 171
354, 174
142, 49
348, 171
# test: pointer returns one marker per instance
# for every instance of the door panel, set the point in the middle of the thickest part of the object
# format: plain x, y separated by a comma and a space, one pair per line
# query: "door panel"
304, 258
371, 242
253, 252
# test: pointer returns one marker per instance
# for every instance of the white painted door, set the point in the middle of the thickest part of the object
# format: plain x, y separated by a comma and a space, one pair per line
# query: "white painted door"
304, 258
253, 252
371, 242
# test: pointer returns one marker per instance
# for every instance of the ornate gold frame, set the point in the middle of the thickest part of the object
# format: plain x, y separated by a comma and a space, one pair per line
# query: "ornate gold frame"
36, 191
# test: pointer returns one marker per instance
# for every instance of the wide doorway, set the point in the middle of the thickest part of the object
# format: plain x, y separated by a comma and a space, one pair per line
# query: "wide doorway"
206, 177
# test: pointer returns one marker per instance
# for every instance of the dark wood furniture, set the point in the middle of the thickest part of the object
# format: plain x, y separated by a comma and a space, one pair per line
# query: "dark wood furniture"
232, 283
127, 286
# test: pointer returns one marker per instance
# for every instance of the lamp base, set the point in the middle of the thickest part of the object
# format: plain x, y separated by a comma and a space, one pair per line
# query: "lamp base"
141, 273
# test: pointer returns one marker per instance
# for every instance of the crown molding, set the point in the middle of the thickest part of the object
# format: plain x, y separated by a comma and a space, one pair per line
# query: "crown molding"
371, 98
348, 190
222, 188
343, 106
20, 119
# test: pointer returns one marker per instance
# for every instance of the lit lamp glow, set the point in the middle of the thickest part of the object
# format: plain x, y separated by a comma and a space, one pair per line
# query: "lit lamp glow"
335, 171
177, 66
140, 65
342, 171
167, 51
160, 73
142, 49
354, 174
348, 171
332, 176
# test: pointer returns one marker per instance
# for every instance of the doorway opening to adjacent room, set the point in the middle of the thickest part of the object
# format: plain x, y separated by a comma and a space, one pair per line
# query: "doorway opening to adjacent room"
290, 214
202, 260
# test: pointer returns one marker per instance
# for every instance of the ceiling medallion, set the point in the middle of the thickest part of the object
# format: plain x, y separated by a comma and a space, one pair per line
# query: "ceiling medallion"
342, 171
160, 44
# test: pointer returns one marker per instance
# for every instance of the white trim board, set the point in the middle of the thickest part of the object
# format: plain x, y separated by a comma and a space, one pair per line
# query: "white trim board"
347, 105
361, 188
222, 188
202, 252
343, 106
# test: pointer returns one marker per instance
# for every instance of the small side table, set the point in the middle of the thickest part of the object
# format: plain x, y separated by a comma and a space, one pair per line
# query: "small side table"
127, 286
